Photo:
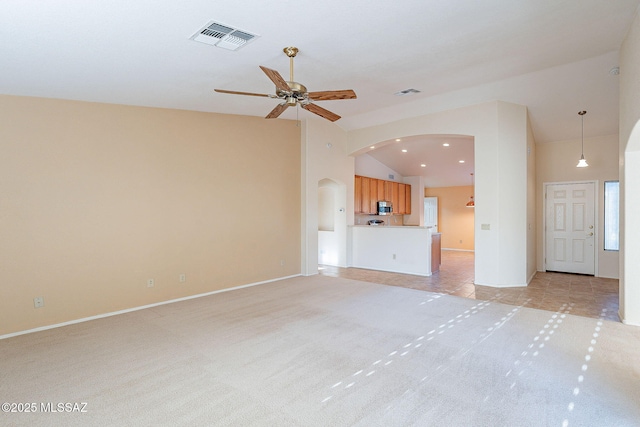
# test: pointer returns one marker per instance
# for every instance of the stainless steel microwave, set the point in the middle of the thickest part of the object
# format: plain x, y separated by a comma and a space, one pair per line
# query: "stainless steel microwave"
385, 208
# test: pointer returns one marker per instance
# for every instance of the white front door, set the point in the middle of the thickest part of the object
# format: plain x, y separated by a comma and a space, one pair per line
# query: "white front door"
570, 228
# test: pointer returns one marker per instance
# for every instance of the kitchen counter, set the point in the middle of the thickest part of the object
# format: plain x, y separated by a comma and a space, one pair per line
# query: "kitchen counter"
399, 249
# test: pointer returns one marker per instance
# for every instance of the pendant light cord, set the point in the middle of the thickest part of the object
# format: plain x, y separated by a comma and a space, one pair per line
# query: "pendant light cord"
582, 113
582, 147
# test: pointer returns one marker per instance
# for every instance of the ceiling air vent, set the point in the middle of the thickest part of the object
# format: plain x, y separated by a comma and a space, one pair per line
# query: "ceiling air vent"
223, 36
407, 92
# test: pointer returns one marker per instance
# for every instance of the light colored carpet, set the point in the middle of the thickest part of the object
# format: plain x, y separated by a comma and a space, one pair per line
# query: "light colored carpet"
324, 351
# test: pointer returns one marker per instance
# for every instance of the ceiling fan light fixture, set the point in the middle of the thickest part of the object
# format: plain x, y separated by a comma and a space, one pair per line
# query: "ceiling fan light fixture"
291, 93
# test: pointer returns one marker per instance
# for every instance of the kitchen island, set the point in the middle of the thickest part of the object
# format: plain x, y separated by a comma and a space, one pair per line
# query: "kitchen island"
398, 249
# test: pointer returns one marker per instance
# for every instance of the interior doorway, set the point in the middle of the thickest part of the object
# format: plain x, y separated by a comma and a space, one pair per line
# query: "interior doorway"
332, 223
431, 212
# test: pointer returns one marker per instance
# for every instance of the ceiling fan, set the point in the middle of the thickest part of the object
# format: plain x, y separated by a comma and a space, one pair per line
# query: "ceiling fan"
293, 93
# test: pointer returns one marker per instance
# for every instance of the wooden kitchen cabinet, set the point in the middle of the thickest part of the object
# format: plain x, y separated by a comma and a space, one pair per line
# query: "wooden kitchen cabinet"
402, 194
436, 257
367, 192
366, 195
381, 186
373, 191
388, 190
395, 195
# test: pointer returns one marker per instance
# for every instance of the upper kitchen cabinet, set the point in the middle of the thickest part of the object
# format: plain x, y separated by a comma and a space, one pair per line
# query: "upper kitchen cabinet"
407, 199
357, 196
368, 191
403, 204
366, 195
402, 196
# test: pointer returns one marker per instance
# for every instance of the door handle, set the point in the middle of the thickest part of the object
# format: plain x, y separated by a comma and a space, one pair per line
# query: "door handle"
590, 234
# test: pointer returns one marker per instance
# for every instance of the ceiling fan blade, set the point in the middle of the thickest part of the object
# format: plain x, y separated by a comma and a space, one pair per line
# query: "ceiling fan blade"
328, 95
322, 112
276, 78
234, 92
277, 111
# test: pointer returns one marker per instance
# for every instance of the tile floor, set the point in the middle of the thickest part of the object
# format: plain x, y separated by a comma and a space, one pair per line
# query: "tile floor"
587, 295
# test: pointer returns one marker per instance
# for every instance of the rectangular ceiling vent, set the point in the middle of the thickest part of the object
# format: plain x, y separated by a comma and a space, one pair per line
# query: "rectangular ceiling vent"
407, 92
223, 36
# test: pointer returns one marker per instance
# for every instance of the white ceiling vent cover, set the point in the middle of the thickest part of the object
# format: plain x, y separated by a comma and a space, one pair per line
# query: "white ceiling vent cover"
407, 92
223, 36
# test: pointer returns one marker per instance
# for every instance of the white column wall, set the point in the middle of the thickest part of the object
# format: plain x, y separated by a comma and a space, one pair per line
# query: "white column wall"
324, 156
630, 175
511, 164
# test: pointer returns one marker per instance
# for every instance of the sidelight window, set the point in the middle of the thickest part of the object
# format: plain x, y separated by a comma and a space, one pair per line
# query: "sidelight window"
612, 215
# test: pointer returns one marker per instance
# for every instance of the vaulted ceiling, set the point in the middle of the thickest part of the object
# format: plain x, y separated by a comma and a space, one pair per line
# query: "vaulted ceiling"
555, 57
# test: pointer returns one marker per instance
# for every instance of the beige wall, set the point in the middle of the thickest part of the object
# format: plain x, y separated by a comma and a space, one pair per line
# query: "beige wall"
455, 220
556, 162
95, 199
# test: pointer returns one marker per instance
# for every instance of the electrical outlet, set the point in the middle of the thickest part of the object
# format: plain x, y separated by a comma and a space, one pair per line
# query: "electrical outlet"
282, 263
150, 283
183, 278
38, 302
393, 256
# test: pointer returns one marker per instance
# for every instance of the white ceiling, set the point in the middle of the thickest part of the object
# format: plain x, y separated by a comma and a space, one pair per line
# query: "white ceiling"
552, 56
444, 166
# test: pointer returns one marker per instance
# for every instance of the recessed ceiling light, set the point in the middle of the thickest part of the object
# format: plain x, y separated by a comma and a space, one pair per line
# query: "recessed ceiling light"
446, 144
460, 161
423, 165
398, 140
372, 147
404, 150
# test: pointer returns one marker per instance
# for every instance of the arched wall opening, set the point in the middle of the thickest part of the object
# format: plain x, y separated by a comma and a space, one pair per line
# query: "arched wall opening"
435, 165
504, 224
332, 223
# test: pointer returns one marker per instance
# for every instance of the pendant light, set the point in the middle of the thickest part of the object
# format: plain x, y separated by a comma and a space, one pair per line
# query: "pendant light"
471, 203
582, 163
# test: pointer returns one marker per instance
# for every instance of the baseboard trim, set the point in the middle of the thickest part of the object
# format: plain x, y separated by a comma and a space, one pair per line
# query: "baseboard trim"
625, 322
142, 307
